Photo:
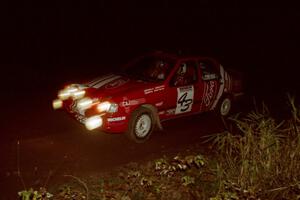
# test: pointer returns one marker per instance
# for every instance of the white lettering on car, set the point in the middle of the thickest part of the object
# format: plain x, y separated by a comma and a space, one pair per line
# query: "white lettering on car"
159, 104
116, 119
126, 104
161, 112
148, 91
209, 93
185, 97
159, 88
170, 112
132, 102
221, 88
156, 89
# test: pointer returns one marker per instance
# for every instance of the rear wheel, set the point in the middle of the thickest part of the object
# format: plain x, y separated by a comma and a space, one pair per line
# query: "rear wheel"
224, 107
141, 125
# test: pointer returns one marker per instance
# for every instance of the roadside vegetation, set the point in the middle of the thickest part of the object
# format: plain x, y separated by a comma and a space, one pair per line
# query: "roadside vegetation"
256, 157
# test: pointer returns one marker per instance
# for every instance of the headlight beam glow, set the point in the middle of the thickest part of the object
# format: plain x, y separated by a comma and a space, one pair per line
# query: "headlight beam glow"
104, 106
93, 122
57, 104
64, 94
78, 94
107, 107
71, 91
85, 103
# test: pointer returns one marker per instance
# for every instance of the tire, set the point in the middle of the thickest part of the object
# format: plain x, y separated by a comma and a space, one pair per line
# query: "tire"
224, 107
141, 125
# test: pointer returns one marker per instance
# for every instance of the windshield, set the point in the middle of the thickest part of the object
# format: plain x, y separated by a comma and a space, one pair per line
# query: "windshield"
150, 68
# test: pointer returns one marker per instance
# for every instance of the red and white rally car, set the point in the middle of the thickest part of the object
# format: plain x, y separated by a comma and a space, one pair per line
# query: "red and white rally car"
151, 89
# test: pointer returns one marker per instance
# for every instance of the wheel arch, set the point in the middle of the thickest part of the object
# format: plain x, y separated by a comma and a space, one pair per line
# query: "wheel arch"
227, 94
155, 114
144, 109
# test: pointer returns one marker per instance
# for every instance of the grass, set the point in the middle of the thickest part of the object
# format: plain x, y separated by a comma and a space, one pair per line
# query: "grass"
256, 158
261, 160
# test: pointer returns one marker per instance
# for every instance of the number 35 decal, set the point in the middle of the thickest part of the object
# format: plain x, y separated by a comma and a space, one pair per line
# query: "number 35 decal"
185, 96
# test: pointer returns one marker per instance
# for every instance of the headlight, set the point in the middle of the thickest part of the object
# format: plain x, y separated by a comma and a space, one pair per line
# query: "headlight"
84, 103
57, 104
78, 94
107, 107
64, 94
74, 91
93, 122
72, 88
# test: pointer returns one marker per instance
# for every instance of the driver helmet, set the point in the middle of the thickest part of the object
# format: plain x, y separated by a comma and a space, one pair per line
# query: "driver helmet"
183, 69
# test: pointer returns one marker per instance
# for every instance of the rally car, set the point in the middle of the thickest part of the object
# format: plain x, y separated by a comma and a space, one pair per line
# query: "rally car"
149, 90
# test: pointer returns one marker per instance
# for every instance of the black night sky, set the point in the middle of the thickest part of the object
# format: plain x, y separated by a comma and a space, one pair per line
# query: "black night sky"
48, 43
45, 44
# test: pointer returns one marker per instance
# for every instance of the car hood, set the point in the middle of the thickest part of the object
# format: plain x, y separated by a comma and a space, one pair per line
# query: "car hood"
112, 85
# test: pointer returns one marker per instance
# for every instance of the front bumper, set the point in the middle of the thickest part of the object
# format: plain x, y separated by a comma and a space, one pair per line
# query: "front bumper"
107, 122
104, 122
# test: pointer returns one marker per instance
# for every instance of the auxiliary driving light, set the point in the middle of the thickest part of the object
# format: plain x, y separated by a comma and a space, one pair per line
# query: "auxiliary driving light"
64, 94
93, 122
72, 88
78, 94
84, 103
57, 104
74, 91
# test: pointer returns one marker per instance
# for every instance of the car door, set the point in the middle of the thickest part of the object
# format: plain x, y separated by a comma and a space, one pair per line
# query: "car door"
210, 82
184, 93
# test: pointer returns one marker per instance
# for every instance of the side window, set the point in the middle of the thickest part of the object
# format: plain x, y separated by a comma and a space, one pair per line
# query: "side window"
207, 70
186, 74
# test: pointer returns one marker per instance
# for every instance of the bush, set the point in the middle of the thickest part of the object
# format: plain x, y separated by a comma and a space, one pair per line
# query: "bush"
261, 159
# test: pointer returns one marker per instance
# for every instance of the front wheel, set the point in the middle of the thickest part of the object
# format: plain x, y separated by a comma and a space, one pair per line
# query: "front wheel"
141, 125
224, 107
